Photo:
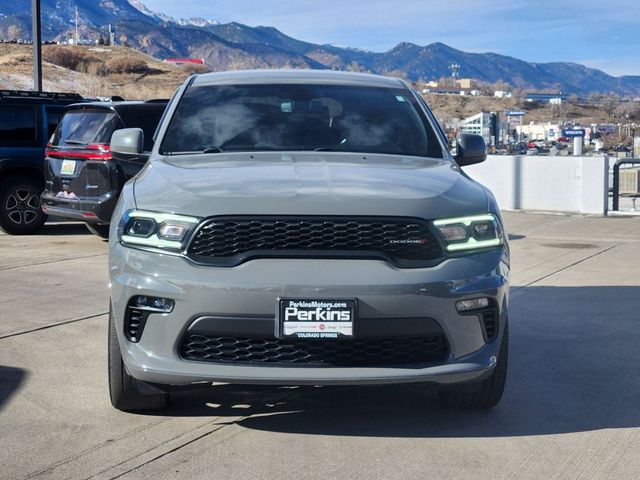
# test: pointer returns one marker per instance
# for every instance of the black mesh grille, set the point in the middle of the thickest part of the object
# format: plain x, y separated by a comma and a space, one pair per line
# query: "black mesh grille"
361, 352
224, 240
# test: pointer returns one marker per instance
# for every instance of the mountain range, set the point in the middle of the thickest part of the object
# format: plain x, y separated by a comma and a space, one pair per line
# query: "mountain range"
234, 46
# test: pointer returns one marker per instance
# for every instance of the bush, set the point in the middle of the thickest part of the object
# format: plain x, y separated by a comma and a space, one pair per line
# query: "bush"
124, 64
194, 68
71, 58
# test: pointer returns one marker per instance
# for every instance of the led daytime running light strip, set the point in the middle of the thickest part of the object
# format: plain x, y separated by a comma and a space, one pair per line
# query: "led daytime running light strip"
152, 242
466, 221
162, 217
472, 243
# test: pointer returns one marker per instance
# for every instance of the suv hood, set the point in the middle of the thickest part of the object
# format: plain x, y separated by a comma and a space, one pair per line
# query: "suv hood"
307, 183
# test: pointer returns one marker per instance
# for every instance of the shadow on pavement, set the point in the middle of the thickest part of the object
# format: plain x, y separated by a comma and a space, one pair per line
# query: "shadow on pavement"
573, 358
64, 228
11, 378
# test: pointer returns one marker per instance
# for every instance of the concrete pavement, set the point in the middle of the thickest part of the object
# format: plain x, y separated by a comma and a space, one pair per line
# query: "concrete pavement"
571, 409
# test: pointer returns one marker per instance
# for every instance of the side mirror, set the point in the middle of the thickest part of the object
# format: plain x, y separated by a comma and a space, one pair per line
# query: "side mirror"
470, 149
127, 144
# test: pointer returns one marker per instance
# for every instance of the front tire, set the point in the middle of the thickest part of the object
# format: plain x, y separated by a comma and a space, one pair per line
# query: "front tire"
20, 209
487, 393
123, 388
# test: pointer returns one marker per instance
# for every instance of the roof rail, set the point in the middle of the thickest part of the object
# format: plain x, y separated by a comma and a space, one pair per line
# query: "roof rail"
35, 95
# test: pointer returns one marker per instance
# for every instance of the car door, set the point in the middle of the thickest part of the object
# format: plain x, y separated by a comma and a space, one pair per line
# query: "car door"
20, 144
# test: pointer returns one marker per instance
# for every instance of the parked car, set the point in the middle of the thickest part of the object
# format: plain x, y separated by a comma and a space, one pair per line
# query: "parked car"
82, 180
621, 148
305, 227
27, 120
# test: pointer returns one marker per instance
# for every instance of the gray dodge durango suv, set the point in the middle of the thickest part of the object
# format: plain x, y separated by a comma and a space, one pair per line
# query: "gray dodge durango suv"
304, 227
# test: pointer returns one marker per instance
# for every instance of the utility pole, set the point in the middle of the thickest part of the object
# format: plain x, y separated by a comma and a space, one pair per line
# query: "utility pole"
36, 38
77, 38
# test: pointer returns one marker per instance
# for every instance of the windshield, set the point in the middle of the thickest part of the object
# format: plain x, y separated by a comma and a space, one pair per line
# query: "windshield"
82, 127
299, 117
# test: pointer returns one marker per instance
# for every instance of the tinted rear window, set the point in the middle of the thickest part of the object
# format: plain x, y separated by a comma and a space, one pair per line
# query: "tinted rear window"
146, 118
82, 127
300, 117
17, 123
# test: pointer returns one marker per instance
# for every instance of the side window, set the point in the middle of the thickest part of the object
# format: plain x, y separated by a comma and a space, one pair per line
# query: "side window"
54, 115
17, 124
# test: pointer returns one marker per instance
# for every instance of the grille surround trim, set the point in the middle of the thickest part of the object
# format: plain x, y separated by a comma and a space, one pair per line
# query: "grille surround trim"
435, 256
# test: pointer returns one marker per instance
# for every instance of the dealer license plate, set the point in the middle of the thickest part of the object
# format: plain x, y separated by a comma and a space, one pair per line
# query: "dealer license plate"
68, 167
299, 318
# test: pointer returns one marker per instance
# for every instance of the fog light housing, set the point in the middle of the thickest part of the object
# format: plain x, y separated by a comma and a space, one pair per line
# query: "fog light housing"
152, 304
139, 308
472, 304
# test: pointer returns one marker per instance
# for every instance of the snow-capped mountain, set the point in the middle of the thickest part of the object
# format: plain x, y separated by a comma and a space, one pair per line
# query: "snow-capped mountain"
142, 8
233, 45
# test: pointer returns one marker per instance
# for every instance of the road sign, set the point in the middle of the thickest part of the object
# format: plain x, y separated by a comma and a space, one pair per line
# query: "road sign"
514, 114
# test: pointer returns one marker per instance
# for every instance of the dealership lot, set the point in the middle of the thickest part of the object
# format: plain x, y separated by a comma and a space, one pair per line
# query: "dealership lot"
570, 409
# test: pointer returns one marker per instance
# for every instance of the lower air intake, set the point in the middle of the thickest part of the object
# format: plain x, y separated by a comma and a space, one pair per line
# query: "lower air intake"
271, 351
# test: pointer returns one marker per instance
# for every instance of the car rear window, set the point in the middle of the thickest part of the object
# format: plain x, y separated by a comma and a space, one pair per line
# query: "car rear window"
300, 117
82, 127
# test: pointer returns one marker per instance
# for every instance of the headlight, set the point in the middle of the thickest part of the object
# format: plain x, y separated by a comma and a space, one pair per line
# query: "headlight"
470, 233
156, 230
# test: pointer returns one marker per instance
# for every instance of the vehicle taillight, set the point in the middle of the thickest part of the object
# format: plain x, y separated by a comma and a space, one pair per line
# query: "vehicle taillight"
93, 151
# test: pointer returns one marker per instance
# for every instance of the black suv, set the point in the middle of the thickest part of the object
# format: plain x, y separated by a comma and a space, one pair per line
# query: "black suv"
82, 180
27, 121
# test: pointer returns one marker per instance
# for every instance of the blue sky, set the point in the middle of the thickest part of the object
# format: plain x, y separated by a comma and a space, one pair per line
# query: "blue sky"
602, 34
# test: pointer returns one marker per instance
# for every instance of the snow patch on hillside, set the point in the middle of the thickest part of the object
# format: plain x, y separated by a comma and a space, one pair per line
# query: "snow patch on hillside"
197, 22
142, 8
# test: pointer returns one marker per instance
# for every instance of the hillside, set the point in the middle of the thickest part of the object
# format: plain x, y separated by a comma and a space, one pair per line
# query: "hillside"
234, 46
157, 80
446, 107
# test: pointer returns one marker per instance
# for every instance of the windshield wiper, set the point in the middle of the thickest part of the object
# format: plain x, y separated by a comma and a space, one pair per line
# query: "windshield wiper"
74, 142
212, 150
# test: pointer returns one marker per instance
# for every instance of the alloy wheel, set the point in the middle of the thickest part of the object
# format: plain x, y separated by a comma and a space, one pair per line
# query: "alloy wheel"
22, 206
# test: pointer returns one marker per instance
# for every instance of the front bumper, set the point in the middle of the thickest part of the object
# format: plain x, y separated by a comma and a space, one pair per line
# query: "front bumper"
251, 290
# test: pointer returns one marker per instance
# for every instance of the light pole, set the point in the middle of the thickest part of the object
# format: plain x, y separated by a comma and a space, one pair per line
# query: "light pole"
36, 37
